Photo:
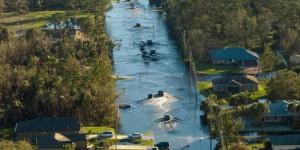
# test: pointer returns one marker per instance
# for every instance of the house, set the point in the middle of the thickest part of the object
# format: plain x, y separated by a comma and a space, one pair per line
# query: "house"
235, 84
285, 142
59, 34
35, 128
58, 140
278, 112
238, 56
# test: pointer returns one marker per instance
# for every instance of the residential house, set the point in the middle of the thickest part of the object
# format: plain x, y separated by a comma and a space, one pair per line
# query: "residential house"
35, 128
278, 112
285, 142
235, 84
59, 34
238, 56
58, 140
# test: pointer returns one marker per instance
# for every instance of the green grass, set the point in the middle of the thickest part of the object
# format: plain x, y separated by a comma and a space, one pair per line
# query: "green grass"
261, 93
206, 88
7, 133
255, 146
95, 129
206, 67
35, 19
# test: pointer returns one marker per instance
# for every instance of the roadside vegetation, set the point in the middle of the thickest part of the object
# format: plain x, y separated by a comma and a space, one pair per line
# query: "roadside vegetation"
70, 78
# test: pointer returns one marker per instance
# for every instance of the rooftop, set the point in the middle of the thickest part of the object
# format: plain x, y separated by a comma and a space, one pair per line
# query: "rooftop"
291, 139
58, 140
233, 53
48, 125
279, 108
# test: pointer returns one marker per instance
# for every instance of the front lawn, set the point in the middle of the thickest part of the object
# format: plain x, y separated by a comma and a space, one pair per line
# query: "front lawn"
207, 68
260, 94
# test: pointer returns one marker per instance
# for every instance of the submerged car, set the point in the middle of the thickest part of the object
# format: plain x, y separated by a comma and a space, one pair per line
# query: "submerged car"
163, 145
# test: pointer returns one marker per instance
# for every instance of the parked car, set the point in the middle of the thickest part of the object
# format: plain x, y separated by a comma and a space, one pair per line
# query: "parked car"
162, 145
135, 136
106, 134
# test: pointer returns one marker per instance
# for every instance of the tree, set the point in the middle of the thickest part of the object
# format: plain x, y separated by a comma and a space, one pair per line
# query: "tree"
234, 101
285, 86
70, 146
87, 25
2, 6
268, 59
207, 103
227, 129
244, 99
20, 6
258, 109
10, 145
57, 19
4, 35
23, 145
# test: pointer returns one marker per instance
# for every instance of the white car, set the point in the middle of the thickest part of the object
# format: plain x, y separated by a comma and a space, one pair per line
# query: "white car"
106, 134
135, 136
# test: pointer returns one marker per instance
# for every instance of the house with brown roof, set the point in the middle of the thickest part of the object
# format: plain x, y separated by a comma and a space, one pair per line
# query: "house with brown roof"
35, 128
58, 140
235, 84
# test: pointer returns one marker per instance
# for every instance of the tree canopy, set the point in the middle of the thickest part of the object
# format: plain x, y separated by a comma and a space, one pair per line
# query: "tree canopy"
252, 24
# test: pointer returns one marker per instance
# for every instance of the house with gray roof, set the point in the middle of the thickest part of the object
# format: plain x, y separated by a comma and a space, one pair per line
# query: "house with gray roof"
35, 128
278, 112
58, 140
239, 56
285, 142
235, 84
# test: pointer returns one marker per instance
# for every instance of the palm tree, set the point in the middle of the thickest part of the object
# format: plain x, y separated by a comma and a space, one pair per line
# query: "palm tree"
245, 99
259, 109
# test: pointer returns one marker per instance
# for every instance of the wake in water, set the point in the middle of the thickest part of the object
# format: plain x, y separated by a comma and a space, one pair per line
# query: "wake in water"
164, 102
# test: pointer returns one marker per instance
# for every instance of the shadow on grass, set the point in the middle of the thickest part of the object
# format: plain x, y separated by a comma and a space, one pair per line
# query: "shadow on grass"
30, 21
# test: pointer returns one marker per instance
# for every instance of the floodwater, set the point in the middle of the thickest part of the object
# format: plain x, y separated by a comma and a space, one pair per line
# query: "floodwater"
168, 74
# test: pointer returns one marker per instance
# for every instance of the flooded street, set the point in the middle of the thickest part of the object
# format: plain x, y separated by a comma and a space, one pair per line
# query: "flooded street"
168, 74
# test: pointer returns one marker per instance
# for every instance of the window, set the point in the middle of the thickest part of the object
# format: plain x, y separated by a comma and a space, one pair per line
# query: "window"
32, 135
275, 117
219, 87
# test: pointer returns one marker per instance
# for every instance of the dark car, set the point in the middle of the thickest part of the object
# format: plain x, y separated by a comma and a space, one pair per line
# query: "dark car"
163, 145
